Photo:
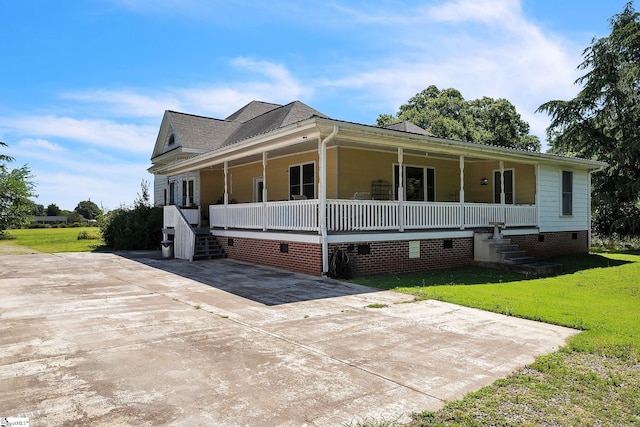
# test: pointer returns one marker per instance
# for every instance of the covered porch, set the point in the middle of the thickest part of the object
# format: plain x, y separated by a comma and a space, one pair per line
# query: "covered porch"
343, 215
330, 181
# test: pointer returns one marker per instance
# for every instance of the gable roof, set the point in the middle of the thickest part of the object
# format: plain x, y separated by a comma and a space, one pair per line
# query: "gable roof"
197, 134
276, 118
251, 111
409, 127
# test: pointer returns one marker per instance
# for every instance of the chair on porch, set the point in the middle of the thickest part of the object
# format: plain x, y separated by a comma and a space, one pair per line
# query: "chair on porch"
361, 195
298, 197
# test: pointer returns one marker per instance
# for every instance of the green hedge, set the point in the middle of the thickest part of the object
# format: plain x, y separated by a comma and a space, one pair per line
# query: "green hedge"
137, 228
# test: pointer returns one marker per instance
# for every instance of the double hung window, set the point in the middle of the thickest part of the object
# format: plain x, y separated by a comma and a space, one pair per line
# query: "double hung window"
302, 181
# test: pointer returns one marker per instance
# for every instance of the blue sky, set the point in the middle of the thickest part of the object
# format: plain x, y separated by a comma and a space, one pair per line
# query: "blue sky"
84, 84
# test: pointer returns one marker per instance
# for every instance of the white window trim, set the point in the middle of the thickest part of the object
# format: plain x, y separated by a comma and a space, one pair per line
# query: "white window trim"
257, 194
513, 184
404, 179
315, 183
561, 181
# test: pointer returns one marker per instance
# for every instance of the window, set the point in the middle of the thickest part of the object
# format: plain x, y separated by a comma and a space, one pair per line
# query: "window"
567, 193
419, 183
508, 186
172, 193
302, 180
172, 139
186, 202
258, 186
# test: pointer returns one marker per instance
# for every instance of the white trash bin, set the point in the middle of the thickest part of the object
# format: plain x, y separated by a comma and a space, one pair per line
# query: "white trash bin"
167, 249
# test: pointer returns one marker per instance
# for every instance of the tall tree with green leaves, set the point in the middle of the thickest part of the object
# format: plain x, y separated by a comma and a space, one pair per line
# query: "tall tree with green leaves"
16, 189
53, 210
88, 209
603, 122
446, 114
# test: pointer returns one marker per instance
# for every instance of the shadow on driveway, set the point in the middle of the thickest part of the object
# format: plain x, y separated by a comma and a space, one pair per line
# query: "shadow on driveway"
262, 284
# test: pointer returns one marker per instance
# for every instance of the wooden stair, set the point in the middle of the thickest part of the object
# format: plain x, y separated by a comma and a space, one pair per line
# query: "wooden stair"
207, 246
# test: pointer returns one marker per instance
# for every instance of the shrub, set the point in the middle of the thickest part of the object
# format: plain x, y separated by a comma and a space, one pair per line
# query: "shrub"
83, 235
137, 228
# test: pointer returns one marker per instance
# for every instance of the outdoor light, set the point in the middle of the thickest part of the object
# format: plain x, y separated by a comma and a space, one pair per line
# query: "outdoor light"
484, 181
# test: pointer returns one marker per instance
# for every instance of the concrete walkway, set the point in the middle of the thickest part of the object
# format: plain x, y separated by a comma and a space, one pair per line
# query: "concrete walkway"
99, 339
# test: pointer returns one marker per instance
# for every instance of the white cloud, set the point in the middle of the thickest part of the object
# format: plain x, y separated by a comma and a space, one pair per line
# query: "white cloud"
127, 102
485, 11
106, 133
480, 47
39, 144
266, 81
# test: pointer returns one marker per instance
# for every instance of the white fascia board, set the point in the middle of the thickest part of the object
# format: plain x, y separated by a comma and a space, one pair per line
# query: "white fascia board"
392, 138
256, 145
260, 235
519, 231
393, 237
342, 238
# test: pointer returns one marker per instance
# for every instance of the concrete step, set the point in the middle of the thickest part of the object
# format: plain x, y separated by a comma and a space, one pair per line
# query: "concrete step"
500, 249
541, 268
498, 241
536, 268
519, 260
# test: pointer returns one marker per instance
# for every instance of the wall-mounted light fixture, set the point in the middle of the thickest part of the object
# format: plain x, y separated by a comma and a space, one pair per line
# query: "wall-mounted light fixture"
484, 181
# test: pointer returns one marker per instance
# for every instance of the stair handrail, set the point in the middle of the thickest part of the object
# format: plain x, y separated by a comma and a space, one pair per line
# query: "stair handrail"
184, 239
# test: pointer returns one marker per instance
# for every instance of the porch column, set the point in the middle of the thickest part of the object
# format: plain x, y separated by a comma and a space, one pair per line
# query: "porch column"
461, 192
264, 191
400, 189
186, 199
226, 193
537, 174
502, 197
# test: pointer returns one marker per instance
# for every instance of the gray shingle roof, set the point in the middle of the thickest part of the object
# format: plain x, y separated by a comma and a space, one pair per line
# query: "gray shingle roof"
202, 133
408, 127
279, 117
256, 118
251, 111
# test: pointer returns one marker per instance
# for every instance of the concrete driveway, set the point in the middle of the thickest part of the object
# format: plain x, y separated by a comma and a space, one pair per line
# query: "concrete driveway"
100, 339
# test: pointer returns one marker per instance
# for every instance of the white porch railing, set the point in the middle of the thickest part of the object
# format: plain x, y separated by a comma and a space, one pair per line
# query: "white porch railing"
298, 215
369, 215
362, 215
184, 237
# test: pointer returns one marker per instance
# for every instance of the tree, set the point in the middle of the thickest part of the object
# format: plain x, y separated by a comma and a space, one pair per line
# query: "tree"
601, 122
53, 210
4, 157
446, 114
16, 189
37, 209
88, 209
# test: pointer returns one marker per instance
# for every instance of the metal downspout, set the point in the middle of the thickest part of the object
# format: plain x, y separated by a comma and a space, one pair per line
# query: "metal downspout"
591, 172
322, 215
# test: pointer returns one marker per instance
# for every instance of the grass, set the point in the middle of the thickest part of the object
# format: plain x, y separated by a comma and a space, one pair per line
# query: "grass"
51, 240
594, 380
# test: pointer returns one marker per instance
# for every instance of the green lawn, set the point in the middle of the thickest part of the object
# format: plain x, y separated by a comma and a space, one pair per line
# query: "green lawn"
595, 380
51, 240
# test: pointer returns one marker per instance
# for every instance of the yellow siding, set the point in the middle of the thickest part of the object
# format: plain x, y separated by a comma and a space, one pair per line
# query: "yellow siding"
211, 187
352, 170
358, 168
240, 182
524, 182
278, 174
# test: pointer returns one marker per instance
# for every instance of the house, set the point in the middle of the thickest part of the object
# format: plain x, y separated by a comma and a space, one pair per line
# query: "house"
44, 219
287, 186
